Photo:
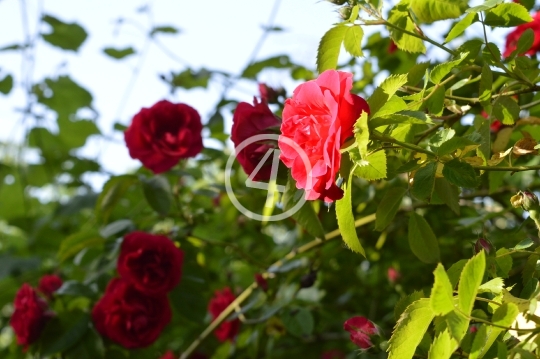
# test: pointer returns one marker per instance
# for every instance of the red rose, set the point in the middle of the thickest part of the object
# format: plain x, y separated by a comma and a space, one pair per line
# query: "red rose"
161, 135
30, 315
392, 47
168, 355
393, 275
261, 281
513, 37
333, 354
319, 118
249, 121
220, 301
48, 284
153, 264
130, 317
361, 329
270, 94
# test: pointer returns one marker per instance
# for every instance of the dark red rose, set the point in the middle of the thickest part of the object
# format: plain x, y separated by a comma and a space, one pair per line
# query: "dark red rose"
49, 283
221, 300
261, 282
361, 330
153, 264
163, 134
30, 315
392, 47
513, 37
484, 244
270, 94
130, 317
318, 119
333, 354
168, 355
393, 275
249, 121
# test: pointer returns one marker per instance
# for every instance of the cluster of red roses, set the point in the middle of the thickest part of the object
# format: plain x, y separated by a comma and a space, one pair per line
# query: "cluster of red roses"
135, 307
32, 310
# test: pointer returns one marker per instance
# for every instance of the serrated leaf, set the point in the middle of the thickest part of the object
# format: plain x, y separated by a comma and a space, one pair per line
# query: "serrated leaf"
504, 315
422, 240
404, 302
525, 41
461, 26
504, 262
67, 36
440, 71
460, 173
494, 286
388, 207
395, 119
454, 272
435, 102
506, 110
454, 144
276, 62
524, 244
305, 216
479, 341
457, 325
77, 242
522, 305
112, 192
416, 73
424, 181
469, 282
393, 105
158, 194
486, 84
345, 220
164, 30
410, 330
118, 53
441, 137
6, 84
385, 91
441, 299
441, 347
73, 326
429, 11
361, 134
485, 6
329, 47
353, 40
448, 193
399, 17
373, 167
507, 15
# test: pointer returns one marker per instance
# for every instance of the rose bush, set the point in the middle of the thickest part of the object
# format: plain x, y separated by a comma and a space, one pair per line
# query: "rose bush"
151, 263
163, 134
130, 317
513, 37
221, 300
319, 118
48, 284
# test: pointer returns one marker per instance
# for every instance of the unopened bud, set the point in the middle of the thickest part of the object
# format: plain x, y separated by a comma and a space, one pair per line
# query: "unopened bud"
526, 200
261, 282
345, 12
308, 280
484, 244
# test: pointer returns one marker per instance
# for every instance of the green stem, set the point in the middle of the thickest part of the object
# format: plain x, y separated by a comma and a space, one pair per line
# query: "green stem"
507, 168
247, 292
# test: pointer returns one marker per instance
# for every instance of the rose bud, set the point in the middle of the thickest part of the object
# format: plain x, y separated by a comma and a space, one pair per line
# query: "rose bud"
261, 282
48, 284
163, 134
484, 244
130, 317
269, 94
221, 300
345, 12
319, 117
309, 279
30, 315
361, 330
526, 200
393, 275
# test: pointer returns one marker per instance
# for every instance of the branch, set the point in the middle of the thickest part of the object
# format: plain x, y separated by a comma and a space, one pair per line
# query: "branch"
379, 136
247, 292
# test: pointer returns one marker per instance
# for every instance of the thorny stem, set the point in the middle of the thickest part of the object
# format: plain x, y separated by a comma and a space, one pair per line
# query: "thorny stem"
247, 292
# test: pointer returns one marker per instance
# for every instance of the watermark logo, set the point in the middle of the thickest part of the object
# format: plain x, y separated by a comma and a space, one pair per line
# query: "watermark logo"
271, 187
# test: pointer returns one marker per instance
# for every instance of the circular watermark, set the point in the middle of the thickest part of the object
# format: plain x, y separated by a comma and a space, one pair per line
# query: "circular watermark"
271, 187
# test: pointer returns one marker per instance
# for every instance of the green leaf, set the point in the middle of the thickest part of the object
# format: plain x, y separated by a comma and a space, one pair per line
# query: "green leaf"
329, 47
494, 286
158, 194
6, 84
388, 207
62, 95
164, 30
435, 102
384, 92
72, 327
345, 220
393, 105
442, 298
404, 302
422, 240
479, 341
461, 26
298, 321
276, 62
440, 71
460, 173
89, 347
399, 17
485, 6
395, 119
305, 216
448, 194
373, 167
189, 79
506, 110
454, 144
77, 242
486, 84
469, 282
113, 191
441, 347
454, 272
67, 36
525, 41
424, 182
504, 263
416, 73
457, 325
119, 53
361, 134
507, 15
433, 10
353, 40
75, 288
74, 134
441, 137
524, 244
410, 330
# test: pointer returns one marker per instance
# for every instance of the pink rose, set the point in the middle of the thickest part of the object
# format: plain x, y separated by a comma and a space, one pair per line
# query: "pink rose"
319, 118
361, 330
